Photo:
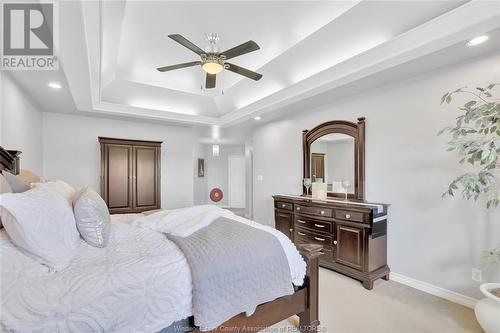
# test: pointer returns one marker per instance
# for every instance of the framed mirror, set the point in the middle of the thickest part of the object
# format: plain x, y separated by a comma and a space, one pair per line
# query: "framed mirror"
334, 153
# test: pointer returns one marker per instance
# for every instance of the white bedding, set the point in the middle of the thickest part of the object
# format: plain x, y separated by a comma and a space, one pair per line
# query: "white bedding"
186, 221
141, 282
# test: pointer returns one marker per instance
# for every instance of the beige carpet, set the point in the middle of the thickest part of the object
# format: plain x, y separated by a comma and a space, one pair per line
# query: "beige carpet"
346, 307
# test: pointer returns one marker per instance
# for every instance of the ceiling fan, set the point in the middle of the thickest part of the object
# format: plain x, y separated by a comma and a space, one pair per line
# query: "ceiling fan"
213, 61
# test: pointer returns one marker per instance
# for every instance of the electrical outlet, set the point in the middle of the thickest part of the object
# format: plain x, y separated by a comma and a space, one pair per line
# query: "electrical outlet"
477, 275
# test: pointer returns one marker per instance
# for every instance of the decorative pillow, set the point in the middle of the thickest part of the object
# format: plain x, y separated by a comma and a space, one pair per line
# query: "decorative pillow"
61, 187
21, 182
41, 223
92, 217
4, 185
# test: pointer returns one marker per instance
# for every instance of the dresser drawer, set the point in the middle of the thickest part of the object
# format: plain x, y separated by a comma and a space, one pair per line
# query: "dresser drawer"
312, 237
349, 216
283, 205
313, 224
326, 212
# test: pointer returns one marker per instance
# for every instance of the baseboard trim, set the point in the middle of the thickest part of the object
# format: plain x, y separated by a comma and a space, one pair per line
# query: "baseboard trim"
434, 290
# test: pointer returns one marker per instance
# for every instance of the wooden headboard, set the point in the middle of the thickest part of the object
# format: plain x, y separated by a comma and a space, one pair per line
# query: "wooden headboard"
9, 160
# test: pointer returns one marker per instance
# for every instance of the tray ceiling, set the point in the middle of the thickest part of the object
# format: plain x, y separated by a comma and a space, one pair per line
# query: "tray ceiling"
110, 50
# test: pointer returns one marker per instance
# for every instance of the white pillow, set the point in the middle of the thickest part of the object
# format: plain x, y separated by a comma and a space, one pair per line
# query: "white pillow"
21, 182
41, 223
4, 188
4, 185
92, 217
61, 187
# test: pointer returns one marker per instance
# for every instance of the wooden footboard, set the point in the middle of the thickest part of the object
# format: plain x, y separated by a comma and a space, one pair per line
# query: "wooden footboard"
304, 302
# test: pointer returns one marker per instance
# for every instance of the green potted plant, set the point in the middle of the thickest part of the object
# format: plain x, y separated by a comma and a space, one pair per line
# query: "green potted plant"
476, 139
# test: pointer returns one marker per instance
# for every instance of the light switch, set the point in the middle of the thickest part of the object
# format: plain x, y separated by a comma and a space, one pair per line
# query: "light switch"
260, 178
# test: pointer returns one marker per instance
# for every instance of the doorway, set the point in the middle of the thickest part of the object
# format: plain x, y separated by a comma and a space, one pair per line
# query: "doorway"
236, 181
318, 167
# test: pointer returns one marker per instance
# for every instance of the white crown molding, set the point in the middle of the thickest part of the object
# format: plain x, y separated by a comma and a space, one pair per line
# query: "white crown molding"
150, 114
434, 290
84, 79
460, 24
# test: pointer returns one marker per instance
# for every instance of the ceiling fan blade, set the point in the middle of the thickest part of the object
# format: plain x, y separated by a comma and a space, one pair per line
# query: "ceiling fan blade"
186, 64
210, 82
243, 71
184, 42
244, 48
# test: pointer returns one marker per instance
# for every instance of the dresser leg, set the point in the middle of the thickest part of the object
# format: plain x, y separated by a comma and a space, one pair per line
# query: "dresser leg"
386, 277
368, 284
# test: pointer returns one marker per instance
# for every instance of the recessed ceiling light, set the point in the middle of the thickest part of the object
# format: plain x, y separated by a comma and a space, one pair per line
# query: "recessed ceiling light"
478, 40
258, 118
55, 85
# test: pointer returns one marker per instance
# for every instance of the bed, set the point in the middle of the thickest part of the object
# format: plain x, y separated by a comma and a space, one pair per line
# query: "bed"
141, 282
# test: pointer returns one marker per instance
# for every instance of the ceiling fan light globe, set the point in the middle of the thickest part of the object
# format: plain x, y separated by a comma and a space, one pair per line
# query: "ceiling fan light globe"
212, 67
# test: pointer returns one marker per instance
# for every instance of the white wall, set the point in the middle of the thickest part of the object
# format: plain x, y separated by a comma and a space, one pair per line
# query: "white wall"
72, 152
431, 239
216, 172
249, 178
20, 124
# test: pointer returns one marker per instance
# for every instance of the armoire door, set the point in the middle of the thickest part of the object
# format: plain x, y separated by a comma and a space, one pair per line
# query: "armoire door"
117, 178
145, 178
349, 246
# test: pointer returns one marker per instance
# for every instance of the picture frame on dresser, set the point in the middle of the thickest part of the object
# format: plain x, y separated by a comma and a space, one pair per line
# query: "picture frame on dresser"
352, 231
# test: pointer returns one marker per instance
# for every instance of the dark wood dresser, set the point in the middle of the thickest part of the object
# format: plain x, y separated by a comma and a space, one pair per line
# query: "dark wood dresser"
353, 234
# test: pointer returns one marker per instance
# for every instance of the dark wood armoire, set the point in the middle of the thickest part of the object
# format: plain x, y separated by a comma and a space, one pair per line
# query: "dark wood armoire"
130, 175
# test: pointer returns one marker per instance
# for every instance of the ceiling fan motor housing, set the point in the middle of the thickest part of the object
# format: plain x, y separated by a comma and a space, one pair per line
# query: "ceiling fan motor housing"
214, 58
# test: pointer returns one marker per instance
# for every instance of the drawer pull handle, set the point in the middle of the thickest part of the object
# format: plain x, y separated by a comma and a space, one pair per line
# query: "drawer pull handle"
291, 229
301, 233
283, 205
347, 216
298, 208
335, 242
322, 212
319, 225
319, 239
300, 221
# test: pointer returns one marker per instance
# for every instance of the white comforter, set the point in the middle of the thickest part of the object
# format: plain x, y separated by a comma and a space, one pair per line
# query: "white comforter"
185, 221
141, 282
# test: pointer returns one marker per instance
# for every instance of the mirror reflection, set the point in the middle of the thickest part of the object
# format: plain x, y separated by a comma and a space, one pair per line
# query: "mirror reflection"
332, 162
